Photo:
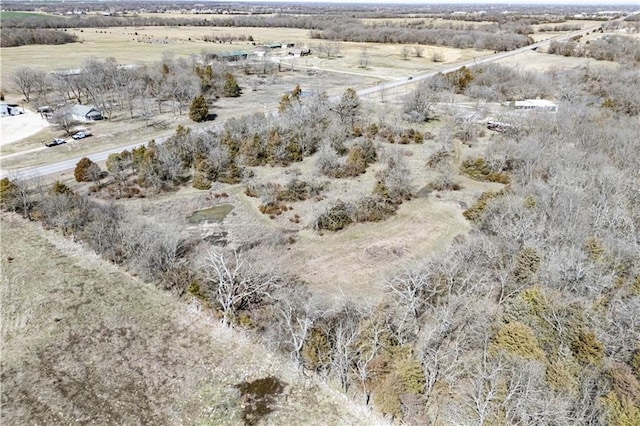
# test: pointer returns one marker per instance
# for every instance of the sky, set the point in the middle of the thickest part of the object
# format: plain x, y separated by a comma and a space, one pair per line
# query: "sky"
607, 4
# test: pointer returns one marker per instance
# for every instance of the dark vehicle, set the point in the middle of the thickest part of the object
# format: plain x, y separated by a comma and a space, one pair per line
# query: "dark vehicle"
55, 142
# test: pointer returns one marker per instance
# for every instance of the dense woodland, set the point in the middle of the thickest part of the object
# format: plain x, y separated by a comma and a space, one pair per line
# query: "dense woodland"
531, 318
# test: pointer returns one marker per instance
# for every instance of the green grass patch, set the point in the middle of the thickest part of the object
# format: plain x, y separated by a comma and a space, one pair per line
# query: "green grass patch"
10, 15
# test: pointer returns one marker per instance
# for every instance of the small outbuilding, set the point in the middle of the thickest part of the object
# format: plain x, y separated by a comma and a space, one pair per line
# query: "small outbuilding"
85, 113
10, 109
536, 105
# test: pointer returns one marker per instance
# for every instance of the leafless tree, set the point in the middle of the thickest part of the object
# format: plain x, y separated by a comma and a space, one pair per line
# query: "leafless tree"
344, 331
63, 118
364, 57
418, 51
297, 314
329, 48
234, 283
148, 249
485, 387
27, 80
419, 104
437, 56
405, 52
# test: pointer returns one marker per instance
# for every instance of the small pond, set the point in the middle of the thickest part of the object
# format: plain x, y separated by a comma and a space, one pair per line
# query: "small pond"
259, 398
213, 214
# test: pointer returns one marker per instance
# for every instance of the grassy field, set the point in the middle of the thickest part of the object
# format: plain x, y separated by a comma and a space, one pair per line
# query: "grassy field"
82, 341
8, 15
142, 45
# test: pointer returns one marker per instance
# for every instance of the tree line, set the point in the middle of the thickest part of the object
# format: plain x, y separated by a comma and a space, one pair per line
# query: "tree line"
24, 37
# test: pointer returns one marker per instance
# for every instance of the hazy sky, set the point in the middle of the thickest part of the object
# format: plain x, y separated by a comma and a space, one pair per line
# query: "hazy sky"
607, 4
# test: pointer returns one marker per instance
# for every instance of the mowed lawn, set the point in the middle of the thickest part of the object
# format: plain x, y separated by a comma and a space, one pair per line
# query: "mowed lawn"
83, 341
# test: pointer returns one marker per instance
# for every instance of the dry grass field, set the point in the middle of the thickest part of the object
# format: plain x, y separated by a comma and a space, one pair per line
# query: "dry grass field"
151, 43
82, 341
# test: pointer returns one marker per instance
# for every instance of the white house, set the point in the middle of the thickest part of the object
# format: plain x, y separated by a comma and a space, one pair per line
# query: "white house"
85, 113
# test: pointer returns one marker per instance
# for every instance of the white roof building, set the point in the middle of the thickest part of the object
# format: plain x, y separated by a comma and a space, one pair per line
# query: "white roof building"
536, 104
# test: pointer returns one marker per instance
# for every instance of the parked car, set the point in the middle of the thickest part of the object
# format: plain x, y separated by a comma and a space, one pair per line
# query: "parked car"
56, 141
80, 135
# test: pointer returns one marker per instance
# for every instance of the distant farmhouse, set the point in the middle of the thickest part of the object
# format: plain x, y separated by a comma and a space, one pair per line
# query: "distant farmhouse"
273, 49
536, 105
10, 109
85, 113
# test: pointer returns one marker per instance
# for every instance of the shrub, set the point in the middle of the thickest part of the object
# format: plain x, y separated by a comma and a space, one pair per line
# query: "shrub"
373, 209
518, 338
635, 362
474, 213
273, 209
299, 190
316, 352
586, 348
411, 376
387, 396
560, 377
356, 163
86, 170
335, 217
60, 188
200, 181
479, 170
526, 266
8, 194
621, 412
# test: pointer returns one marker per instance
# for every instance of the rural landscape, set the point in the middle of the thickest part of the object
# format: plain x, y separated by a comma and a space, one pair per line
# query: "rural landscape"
237, 213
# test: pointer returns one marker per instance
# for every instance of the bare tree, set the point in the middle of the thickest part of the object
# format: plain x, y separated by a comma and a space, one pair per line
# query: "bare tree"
26, 80
486, 382
63, 118
364, 57
418, 51
418, 106
405, 52
329, 48
297, 318
234, 283
344, 331
437, 56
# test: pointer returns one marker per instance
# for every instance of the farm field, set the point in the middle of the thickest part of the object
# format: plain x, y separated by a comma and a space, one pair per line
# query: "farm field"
151, 43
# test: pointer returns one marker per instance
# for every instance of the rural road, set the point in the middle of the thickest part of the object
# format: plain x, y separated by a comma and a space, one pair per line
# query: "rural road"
50, 169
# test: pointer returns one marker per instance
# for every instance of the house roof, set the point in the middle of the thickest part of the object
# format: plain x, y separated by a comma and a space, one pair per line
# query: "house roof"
535, 103
84, 110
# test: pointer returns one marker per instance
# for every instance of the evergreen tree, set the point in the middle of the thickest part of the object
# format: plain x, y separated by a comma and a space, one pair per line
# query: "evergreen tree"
231, 88
199, 110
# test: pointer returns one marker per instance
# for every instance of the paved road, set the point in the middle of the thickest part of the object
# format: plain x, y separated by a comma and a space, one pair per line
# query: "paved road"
70, 164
